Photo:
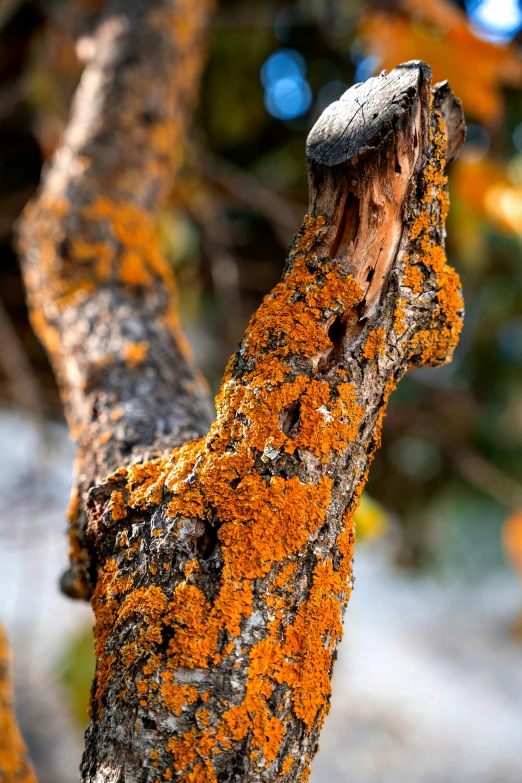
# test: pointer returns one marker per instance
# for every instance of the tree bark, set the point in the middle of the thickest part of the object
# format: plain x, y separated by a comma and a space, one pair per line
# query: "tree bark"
219, 564
14, 764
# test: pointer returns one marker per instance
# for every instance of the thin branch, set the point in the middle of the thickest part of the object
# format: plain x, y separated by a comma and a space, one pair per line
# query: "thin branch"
280, 211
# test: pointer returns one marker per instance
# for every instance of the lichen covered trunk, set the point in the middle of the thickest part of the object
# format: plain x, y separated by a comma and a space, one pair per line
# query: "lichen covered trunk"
223, 569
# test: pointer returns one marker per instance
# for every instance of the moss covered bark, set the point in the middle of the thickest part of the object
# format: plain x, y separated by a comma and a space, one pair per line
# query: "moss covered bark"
218, 561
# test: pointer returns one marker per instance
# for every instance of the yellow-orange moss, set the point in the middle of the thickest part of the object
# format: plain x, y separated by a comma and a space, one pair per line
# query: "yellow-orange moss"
264, 523
176, 696
117, 506
375, 344
286, 766
413, 278
436, 344
298, 329
135, 353
399, 324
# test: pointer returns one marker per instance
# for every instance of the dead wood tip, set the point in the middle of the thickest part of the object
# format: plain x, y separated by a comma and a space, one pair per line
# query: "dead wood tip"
361, 117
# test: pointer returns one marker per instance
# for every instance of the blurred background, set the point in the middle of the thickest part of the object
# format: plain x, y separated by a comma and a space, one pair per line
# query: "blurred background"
428, 687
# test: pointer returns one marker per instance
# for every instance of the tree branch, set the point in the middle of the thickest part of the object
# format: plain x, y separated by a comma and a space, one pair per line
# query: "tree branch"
219, 564
223, 569
102, 298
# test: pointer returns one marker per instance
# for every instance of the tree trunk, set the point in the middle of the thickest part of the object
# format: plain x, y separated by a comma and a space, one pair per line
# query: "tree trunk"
219, 565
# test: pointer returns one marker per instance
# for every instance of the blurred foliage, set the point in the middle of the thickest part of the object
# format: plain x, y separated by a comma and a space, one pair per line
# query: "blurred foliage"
450, 470
512, 537
439, 33
76, 672
371, 520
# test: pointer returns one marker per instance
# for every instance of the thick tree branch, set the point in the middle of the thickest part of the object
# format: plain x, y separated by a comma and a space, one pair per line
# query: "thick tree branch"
223, 569
14, 764
220, 564
102, 298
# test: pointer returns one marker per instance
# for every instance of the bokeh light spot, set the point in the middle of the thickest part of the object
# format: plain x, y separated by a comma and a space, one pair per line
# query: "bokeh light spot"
495, 20
517, 137
288, 97
282, 64
366, 68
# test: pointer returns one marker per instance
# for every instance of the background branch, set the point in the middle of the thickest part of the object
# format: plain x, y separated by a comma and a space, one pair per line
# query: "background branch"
102, 298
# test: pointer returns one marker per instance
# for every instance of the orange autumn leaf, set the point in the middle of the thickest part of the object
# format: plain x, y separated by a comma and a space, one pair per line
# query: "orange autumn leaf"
439, 33
512, 539
472, 181
504, 207
483, 186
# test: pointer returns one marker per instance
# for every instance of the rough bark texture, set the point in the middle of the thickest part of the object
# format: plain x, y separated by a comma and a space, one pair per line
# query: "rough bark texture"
14, 764
221, 570
102, 298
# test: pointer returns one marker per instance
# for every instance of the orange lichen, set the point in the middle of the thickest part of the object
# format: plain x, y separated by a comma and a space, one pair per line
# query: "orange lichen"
398, 317
145, 483
117, 506
376, 437
190, 568
413, 278
375, 344
435, 344
309, 645
135, 353
298, 329
176, 696
134, 230
263, 525
286, 766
